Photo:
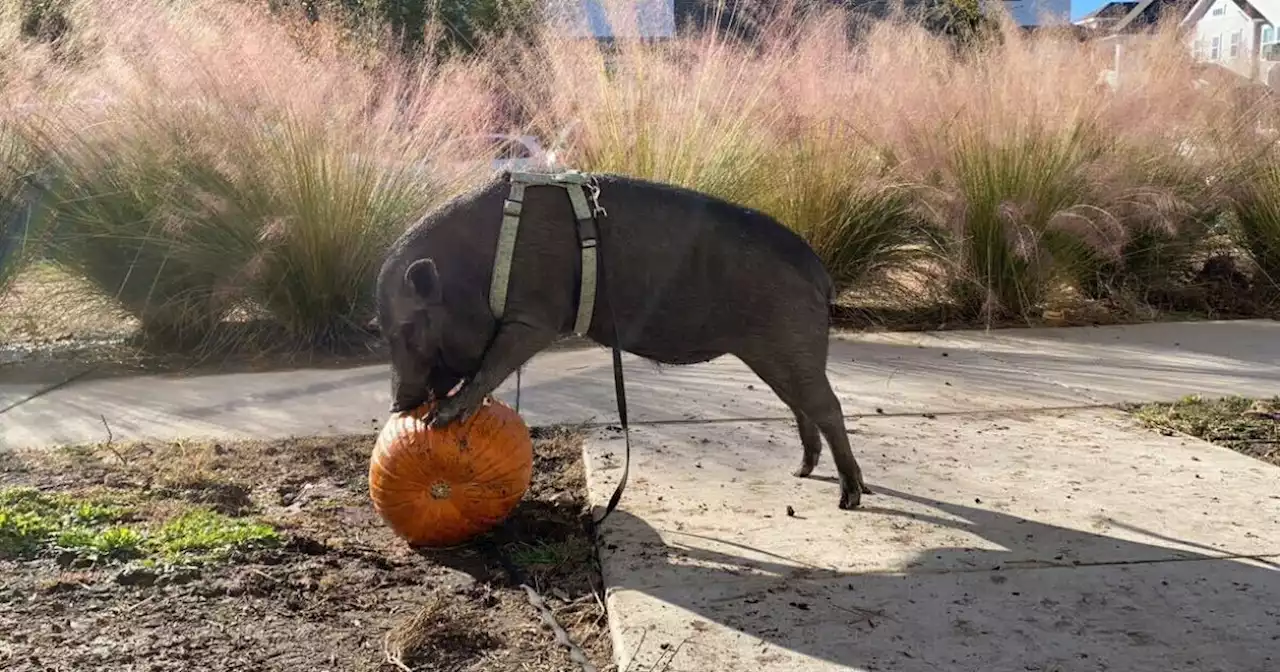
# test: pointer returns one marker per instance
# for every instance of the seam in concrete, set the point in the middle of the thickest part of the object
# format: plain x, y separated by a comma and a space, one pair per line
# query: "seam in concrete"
1265, 558
850, 416
47, 390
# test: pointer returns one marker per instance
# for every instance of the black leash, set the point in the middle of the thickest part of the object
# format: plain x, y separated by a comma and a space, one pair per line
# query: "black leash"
588, 234
621, 395
619, 388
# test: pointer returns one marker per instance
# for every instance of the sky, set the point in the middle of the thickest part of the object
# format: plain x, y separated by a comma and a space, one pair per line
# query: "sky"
1081, 7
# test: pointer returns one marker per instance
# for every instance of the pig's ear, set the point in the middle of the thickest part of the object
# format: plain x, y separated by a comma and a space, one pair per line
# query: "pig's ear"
425, 281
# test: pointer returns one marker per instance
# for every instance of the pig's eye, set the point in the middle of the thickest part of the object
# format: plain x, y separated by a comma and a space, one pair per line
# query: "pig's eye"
414, 336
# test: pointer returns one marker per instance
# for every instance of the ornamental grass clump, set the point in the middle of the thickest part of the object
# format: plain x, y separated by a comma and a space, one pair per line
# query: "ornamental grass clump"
764, 123
233, 178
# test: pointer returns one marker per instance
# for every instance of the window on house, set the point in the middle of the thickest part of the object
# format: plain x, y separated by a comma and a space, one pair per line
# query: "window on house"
1197, 50
1268, 34
1236, 38
1215, 48
1219, 10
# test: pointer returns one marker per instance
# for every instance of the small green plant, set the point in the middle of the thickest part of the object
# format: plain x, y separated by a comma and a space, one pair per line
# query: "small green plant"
202, 535
31, 520
549, 555
92, 529
112, 543
23, 533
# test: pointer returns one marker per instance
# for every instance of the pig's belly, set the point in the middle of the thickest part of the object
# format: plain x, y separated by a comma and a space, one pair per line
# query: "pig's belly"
676, 357
677, 344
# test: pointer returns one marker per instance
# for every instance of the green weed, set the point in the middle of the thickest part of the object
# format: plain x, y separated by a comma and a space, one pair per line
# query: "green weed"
202, 535
93, 529
31, 519
96, 545
552, 555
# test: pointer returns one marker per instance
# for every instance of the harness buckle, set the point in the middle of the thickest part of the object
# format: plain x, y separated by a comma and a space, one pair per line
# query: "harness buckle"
587, 231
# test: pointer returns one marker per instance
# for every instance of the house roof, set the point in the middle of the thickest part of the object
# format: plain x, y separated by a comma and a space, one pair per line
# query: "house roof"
1263, 10
1111, 10
1147, 12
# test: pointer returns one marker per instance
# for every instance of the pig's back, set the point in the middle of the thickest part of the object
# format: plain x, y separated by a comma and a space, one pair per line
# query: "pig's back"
690, 265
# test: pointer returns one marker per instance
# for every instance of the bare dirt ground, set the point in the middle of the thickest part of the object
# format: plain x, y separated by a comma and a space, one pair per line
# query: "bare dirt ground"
335, 591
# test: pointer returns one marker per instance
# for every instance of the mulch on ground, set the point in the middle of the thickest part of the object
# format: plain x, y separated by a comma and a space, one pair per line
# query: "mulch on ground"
1248, 426
338, 592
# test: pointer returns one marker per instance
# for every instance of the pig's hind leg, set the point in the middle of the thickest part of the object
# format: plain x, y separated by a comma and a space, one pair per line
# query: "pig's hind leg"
795, 369
811, 439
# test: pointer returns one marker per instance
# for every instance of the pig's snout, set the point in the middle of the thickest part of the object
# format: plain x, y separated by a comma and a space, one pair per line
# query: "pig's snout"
407, 395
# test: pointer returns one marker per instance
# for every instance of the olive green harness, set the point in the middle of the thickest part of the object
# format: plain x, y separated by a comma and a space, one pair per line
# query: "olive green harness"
585, 208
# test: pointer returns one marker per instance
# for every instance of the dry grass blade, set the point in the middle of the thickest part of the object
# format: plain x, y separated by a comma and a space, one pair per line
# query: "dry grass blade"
449, 631
562, 637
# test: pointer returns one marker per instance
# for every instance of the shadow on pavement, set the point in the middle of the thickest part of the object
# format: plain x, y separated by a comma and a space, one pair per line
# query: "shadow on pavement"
953, 609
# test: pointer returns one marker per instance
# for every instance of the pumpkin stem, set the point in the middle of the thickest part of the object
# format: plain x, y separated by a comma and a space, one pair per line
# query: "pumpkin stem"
441, 490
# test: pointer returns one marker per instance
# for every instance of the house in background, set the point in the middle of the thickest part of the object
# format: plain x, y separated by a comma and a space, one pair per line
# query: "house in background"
1239, 35
1034, 13
1133, 26
1105, 17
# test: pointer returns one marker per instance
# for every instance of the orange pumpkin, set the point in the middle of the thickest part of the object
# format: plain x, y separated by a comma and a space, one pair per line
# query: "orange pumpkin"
439, 487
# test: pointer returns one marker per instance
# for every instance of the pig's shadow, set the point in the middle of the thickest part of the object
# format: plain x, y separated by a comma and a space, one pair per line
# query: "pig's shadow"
954, 609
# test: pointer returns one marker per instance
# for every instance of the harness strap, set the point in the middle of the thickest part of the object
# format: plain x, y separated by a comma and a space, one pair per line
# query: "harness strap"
572, 182
587, 236
511, 209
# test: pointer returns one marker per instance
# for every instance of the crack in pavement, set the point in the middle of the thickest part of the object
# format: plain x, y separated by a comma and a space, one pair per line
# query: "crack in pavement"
850, 416
1271, 560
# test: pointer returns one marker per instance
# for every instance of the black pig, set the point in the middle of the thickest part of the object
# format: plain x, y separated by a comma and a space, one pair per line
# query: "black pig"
687, 277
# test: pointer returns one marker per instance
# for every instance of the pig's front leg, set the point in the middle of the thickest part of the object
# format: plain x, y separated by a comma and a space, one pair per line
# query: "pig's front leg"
514, 345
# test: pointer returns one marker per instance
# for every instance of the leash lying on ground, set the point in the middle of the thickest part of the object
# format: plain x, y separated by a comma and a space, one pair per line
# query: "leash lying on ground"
585, 209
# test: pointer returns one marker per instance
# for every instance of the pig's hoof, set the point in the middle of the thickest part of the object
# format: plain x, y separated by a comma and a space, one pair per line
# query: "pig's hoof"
447, 413
850, 498
804, 470
866, 490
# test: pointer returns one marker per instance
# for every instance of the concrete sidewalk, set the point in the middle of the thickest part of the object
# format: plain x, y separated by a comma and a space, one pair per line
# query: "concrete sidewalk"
1054, 541
873, 373
1020, 525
